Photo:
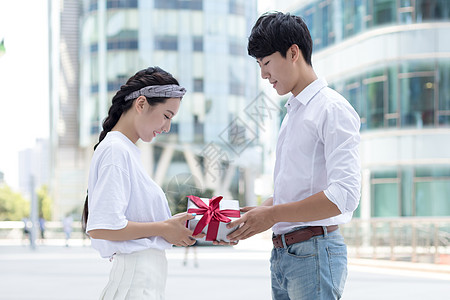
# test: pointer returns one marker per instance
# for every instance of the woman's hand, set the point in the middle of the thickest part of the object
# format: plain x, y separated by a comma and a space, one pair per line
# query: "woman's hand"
176, 233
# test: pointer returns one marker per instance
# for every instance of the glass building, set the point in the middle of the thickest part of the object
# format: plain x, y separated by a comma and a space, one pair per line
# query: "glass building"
202, 43
391, 60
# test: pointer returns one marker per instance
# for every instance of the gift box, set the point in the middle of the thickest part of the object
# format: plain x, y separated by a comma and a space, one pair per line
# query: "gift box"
212, 217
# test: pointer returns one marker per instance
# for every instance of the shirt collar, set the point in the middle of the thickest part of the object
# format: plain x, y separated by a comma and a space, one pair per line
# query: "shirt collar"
307, 94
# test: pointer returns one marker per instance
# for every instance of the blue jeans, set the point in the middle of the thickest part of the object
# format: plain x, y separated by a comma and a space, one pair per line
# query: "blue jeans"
315, 269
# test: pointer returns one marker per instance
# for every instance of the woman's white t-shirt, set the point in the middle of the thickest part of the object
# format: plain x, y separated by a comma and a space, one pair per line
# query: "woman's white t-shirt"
120, 190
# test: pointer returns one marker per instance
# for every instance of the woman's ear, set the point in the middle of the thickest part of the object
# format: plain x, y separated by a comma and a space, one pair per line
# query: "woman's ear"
140, 103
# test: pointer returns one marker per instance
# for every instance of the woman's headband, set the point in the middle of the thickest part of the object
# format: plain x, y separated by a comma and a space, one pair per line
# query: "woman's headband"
158, 91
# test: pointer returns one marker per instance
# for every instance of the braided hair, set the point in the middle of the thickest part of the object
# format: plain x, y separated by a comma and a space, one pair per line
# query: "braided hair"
147, 77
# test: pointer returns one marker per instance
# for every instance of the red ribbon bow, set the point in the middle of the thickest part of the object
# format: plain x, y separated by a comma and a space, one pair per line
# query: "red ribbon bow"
212, 215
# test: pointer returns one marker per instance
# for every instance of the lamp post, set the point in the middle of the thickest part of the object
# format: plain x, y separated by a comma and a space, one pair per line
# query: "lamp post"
33, 214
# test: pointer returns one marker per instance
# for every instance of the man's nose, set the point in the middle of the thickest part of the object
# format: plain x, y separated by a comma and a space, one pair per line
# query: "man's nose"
264, 74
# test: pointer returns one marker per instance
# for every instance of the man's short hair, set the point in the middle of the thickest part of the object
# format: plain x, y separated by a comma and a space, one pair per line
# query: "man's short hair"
277, 31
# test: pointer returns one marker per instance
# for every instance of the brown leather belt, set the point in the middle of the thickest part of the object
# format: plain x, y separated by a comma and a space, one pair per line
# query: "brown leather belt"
301, 235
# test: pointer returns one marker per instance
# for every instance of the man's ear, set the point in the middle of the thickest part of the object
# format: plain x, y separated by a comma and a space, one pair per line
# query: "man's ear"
294, 53
139, 103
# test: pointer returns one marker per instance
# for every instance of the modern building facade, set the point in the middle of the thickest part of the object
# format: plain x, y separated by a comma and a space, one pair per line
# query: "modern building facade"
391, 60
67, 159
34, 167
202, 43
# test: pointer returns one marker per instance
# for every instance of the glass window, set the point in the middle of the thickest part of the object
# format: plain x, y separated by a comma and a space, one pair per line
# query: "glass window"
407, 191
166, 4
121, 4
406, 11
308, 15
166, 43
179, 4
198, 85
353, 93
197, 43
392, 115
324, 16
432, 198
432, 172
93, 5
236, 7
444, 86
417, 98
374, 91
236, 48
384, 12
122, 44
385, 201
432, 10
353, 11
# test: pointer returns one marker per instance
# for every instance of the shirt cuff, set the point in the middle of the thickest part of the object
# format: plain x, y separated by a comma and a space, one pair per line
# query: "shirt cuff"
337, 195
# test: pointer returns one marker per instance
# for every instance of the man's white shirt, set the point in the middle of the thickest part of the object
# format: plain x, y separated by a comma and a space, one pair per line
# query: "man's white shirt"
318, 150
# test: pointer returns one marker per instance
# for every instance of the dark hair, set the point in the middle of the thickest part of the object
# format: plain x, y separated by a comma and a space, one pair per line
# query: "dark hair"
147, 77
277, 31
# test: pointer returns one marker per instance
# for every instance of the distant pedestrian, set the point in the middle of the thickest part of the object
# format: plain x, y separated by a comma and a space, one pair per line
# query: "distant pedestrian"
186, 254
26, 229
67, 227
42, 227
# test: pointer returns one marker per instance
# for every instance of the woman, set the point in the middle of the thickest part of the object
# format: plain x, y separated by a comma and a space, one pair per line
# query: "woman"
129, 219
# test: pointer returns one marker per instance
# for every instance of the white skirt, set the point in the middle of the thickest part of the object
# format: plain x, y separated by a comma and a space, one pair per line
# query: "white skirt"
136, 276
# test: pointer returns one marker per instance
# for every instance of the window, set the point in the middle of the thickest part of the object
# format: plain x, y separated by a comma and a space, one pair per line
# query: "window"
122, 44
385, 194
236, 7
237, 89
197, 43
432, 10
384, 11
121, 4
236, 48
417, 98
444, 94
166, 43
198, 85
432, 197
374, 88
353, 17
431, 190
353, 93
179, 4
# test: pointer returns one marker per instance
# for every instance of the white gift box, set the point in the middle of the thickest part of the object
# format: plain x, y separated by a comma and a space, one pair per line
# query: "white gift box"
223, 231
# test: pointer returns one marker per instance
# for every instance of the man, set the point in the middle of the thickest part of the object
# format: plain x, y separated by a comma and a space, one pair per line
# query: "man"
317, 170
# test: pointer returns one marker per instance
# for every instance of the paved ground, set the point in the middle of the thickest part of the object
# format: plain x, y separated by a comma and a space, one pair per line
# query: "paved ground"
56, 272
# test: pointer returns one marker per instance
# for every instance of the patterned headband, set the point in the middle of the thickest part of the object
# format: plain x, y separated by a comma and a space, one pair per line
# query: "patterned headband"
154, 91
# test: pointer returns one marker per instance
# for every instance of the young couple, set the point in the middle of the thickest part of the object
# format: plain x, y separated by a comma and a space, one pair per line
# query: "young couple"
316, 177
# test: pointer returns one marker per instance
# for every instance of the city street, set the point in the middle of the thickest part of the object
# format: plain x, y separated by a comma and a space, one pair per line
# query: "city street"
55, 272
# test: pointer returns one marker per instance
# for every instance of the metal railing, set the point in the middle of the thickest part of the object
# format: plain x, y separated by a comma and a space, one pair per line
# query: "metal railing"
400, 239
411, 239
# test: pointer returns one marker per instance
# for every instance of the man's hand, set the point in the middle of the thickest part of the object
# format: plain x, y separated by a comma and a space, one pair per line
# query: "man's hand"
254, 221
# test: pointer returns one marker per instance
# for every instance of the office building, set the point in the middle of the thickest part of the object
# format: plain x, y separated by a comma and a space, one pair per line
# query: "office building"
203, 45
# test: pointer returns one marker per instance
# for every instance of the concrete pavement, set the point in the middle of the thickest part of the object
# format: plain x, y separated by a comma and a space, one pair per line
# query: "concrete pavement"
54, 271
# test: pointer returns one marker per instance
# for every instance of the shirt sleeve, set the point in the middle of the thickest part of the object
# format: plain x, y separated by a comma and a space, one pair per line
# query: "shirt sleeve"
340, 134
109, 199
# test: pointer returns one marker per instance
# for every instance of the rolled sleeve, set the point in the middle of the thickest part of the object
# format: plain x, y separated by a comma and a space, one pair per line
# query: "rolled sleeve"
341, 140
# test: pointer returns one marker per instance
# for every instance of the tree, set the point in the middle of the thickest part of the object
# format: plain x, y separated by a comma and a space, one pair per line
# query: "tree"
44, 203
13, 207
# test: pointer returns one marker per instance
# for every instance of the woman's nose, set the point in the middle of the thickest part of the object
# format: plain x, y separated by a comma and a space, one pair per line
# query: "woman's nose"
166, 127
